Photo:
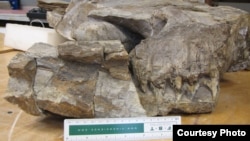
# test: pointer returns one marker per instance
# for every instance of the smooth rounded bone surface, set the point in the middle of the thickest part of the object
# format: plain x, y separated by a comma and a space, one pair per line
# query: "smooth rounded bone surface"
128, 58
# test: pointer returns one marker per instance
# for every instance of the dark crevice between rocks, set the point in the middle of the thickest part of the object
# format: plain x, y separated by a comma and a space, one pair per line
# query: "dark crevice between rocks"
130, 45
33, 89
183, 112
191, 8
48, 113
136, 38
121, 23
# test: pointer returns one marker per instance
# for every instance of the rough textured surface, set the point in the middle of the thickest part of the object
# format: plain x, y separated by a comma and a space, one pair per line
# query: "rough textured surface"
75, 80
109, 55
123, 62
22, 70
74, 17
189, 66
116, 98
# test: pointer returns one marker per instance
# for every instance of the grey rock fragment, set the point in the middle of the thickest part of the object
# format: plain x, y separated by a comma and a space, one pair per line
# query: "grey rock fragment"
73, 18
116, 98
22, 70
110, 55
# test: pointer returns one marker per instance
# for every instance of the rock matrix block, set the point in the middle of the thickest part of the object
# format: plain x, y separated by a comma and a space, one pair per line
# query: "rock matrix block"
127, 58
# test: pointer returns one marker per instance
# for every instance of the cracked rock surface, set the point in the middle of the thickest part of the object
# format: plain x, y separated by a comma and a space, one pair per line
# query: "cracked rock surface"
131, 58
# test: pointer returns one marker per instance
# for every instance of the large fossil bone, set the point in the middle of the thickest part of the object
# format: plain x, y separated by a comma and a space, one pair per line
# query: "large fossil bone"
132, 58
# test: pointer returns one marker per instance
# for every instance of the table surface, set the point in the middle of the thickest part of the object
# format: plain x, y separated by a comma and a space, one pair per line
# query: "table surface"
233, 107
